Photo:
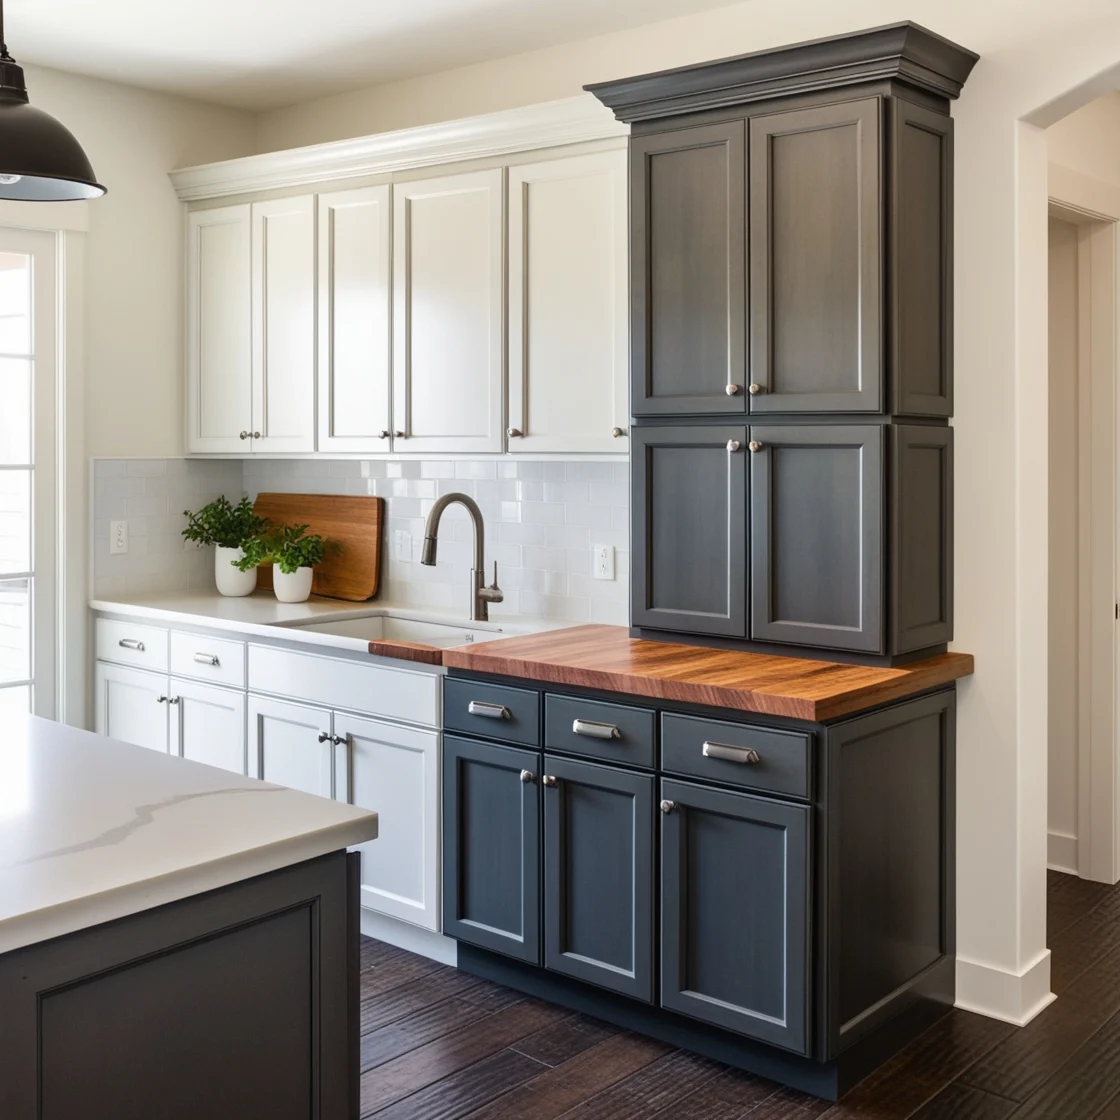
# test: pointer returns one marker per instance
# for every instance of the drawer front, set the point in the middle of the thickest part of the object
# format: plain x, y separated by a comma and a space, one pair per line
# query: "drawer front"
491, 711
612, 732
218, 660
130, 643
753, 757
335, 682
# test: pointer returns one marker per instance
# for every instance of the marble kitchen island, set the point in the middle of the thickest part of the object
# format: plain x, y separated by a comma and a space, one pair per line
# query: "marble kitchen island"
175, 940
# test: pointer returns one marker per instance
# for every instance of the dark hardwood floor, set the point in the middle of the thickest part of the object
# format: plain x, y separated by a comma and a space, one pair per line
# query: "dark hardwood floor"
437, 1043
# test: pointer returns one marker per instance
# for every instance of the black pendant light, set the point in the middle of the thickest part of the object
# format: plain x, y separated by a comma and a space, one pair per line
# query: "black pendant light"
40, 161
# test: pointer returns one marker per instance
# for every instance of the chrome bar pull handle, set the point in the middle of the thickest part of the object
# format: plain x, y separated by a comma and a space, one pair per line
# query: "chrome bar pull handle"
744, 755
207, 659
594, 730
489, 711
131, 643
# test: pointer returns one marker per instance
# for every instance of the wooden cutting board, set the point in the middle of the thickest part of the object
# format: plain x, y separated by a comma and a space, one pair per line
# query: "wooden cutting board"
352, 527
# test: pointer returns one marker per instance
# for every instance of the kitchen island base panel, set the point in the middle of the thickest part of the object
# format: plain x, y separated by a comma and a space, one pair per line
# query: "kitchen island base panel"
828, 1080
239, 1002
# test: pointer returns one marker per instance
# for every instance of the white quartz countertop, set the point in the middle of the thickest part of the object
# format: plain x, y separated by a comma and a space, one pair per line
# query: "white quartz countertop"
92, 829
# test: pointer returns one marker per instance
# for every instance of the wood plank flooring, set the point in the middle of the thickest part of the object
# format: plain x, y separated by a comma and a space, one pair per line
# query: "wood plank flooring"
440, 1045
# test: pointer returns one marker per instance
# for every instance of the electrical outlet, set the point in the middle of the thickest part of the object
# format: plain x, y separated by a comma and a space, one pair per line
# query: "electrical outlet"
118, 537
602, 561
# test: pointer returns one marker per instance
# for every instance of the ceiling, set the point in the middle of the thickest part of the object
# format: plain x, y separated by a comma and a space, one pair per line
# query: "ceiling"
264, 54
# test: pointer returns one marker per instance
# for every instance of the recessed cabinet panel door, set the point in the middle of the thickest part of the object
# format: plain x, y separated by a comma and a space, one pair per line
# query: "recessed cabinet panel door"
131, 705
285, 747
690, 529
491, 847
219, 330
395, 771
354, 358
734, 912
447, 313
688, 274
208, 724
598, 875
284, 324
815, 245
817, 536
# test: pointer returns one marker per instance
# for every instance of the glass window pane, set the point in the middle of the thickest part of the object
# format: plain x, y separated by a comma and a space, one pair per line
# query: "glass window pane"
15, 630
14, 700
15, 522
15, 303
15, 410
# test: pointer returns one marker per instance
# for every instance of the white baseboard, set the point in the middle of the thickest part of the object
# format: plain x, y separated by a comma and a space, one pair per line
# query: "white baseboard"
407, 936
1013, 997
1061, 852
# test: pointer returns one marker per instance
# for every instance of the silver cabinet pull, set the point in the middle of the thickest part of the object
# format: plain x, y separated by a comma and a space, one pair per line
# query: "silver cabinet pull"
732, 390
339, 740
754, 388
594, 730
207, 659
548, 780
755, 445
744, 755
256, 435
384, 433
161, 699
527, 776
131, 643
399, 435
514, 433
733, 445
174, 699
668, 806
243, 435
490, 711
325, 736
617, 432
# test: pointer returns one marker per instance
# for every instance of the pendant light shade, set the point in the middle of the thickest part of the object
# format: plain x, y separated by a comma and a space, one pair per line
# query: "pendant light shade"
40, 161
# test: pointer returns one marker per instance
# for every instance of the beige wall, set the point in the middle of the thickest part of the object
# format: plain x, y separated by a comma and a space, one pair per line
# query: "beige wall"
1089, 139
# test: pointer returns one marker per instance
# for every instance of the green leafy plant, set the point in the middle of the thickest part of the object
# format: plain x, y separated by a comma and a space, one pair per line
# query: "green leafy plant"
288, 546
222, 523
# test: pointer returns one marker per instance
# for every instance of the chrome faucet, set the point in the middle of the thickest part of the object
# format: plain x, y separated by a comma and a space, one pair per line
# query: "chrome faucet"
481, 595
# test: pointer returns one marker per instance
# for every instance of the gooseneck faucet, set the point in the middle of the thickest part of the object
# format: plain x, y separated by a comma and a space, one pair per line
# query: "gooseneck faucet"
481, 595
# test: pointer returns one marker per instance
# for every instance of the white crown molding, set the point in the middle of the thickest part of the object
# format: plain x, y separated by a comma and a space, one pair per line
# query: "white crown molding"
573, 120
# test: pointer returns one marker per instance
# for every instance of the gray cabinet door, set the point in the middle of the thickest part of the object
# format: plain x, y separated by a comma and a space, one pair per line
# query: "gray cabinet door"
491, 847
598, 875
688, 502
688, 272
734, 912
817, 536
815, 260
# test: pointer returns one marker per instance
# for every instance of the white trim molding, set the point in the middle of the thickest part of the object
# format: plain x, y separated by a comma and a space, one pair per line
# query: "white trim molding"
573, 120
1061, 852
1014, 997
404, 935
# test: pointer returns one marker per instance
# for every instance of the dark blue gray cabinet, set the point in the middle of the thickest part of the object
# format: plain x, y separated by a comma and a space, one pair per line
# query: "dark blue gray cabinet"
734, 912
491, 846
598, 874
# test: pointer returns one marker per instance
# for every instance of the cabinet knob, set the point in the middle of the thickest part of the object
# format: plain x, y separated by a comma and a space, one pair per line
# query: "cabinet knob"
256, 435
732, 390
548, 780
526, 776
754, 388
243, 435
398, 435
325, 736
514, 433
733, 445
617, 432
339, 740
174, 699
384, 433
668, 807
754, 445
161, 699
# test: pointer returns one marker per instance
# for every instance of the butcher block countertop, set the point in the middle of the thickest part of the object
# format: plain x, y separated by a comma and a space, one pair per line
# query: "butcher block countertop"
607, 658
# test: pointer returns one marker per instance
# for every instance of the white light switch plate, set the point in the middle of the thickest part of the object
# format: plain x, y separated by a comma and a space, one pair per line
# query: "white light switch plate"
118, 537
402, 545
602, 561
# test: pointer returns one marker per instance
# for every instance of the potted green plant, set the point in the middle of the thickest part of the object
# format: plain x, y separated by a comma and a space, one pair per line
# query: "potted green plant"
292, 552
229, 528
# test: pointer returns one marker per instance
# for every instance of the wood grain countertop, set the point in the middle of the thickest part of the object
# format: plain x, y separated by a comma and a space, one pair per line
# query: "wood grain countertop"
607, 658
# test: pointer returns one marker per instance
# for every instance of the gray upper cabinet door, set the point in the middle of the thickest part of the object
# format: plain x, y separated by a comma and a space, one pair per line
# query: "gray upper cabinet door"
598, 875
688, 502
920, 237
734, 912
491, 847
815, 260
817, 536
688, 271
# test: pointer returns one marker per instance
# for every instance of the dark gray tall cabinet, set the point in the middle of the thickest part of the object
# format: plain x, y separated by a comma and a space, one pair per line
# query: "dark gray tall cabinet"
791, 345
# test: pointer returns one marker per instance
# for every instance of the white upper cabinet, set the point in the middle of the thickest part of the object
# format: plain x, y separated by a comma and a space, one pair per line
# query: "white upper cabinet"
354, 307
219, 366
568, 341
284, 325
447, 313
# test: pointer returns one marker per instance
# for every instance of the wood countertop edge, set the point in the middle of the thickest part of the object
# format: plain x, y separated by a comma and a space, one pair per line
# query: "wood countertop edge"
407, 651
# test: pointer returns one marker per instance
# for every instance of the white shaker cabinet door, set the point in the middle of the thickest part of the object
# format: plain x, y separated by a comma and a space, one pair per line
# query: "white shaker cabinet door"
354, 299
568, 340
289, 745
208, 724
219, 340
284, 325
131, 705
395, 772
448, 313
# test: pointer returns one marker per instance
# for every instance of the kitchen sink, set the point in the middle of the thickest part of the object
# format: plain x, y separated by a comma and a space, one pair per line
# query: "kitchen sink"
395, 628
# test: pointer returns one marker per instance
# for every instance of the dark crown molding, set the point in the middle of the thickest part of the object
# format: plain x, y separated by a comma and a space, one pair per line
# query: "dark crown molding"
903, 52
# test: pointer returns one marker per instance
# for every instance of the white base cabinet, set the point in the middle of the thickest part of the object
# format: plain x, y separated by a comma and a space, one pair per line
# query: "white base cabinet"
131, 705
208, 724
290, 745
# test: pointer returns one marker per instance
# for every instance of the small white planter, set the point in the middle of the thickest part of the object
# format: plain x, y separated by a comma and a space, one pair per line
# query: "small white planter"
291, 587
230, 580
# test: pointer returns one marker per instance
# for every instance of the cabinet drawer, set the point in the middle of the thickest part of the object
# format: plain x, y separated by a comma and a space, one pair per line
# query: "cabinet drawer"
612, 732
752, 757
209, 659
491, 711
130, 643
335, 682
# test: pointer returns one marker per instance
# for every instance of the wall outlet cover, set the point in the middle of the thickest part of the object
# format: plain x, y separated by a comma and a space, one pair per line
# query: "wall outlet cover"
118, 537
602, 561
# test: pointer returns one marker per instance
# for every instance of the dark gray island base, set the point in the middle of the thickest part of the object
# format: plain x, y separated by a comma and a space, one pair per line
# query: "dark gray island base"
240, 1002
773, 893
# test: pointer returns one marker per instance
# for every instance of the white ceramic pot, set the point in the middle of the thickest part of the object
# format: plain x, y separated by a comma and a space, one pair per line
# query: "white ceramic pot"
291, 587
230, 580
